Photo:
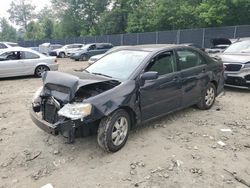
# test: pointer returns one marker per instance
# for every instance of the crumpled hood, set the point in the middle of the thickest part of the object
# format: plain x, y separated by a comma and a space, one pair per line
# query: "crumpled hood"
63, 86
234, 58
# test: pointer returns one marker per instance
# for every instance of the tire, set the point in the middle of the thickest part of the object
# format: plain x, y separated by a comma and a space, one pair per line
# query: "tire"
111, 125
208, 97
40, 70
84, 57
62, 55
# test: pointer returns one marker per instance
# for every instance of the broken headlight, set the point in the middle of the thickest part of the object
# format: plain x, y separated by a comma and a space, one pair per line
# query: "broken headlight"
36, 98
75, 111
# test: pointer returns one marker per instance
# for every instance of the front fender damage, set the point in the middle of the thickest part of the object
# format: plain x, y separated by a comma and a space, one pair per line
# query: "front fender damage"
105, 96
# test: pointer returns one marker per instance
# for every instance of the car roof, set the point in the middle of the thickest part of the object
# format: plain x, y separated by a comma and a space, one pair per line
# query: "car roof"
153, 47
99, 43
20, 49
16, 49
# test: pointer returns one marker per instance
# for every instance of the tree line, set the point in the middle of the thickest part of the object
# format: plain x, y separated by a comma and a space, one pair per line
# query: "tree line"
74, 18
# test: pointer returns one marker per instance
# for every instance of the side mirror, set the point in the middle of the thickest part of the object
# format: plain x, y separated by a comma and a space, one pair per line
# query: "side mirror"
151, 75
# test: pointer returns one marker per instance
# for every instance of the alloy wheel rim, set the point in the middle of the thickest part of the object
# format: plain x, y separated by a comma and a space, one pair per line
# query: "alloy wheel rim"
41, 70
210, 96
120, 131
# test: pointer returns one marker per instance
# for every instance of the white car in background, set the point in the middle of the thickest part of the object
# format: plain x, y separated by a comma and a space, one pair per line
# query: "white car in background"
18, 61
4, 45
66, 50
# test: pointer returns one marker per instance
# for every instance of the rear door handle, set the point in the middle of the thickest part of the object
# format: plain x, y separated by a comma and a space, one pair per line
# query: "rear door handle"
203, 70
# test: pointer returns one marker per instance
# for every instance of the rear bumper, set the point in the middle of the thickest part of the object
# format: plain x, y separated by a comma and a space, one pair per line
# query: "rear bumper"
75, 57
52, 54
53, 67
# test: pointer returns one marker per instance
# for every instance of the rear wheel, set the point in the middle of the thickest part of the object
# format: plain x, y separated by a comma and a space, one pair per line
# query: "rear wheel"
113, 131
40, 70
208, 97
62, 55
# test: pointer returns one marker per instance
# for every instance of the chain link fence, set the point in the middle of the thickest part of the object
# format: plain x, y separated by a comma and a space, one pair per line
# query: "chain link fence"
201, 37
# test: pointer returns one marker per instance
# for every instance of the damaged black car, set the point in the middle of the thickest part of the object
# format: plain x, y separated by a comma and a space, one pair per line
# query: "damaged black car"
125, 89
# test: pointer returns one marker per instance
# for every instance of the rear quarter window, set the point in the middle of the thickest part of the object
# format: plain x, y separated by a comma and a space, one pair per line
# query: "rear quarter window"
29, 55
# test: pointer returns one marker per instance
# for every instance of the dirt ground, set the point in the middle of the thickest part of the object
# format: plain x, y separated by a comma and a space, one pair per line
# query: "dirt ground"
180, 150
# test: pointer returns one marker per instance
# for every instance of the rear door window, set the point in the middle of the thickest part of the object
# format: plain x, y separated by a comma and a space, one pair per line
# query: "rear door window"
188, 59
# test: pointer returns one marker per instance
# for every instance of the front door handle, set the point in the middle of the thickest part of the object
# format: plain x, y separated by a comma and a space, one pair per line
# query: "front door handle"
203, 70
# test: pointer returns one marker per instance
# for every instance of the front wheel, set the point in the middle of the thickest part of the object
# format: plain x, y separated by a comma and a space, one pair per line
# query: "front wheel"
113, 131
84, 57
62, 55
208, 97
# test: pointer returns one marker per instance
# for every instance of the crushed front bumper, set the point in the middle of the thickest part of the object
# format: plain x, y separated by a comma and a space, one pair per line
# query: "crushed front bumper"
44, 125
65, 127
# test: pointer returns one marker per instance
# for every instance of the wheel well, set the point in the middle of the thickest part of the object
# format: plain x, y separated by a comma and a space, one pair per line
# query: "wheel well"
40, 66
215, 83
131, 114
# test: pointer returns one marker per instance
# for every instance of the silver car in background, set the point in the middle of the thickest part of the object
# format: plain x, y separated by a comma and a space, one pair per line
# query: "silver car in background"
4, 45
94, 58
18, 61
236, 59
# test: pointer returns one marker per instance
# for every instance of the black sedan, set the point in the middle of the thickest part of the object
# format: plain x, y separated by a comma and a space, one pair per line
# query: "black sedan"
125, 89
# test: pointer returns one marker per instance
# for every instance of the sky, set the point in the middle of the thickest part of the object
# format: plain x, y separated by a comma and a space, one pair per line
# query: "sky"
5, 5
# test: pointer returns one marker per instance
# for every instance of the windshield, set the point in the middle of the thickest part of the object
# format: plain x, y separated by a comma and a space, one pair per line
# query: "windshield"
84, 47
119, 65
238, 47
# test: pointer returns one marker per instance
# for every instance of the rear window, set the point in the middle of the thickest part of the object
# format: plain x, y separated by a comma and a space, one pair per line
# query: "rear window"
13, 44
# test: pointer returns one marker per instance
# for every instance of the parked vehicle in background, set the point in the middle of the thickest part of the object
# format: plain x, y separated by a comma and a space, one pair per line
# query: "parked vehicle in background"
18, 61
34, 48
125, 89
47, 48
4, 45
236, 59
219, 45
94, 58
90, 50
63, 51
194, 45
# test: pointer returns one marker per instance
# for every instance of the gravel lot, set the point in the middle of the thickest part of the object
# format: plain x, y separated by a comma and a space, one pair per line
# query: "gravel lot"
180, 150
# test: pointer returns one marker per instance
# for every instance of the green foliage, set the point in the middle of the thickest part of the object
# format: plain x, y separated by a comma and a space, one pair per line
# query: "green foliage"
72, 18
21, 13
8, 33
33, 31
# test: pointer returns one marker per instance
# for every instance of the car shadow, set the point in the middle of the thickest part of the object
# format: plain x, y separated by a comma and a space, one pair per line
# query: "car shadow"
19, 78
237, 90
